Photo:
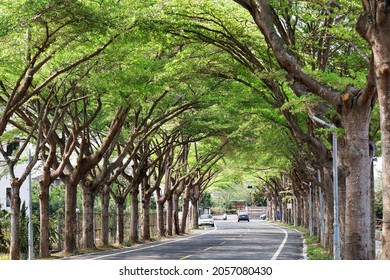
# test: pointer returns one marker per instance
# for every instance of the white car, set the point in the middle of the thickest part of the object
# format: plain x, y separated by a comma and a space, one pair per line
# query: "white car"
206, 219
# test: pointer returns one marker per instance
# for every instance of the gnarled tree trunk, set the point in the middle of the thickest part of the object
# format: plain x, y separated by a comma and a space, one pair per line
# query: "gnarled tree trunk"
374, 27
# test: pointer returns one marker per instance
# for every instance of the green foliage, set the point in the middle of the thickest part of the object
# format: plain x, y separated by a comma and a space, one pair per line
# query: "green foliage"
378, 197
4, 224
206, 200
23, 230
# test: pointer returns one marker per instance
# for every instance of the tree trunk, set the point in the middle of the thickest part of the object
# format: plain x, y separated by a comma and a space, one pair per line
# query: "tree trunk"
44, 221
357, 160
374, 27
145, 207
186, 204
176, 222
134, 217
194, 212
169, 216
88, 219
145, 229
120, 220
160, 219
105, 198
15, 220
70, 245
372, 213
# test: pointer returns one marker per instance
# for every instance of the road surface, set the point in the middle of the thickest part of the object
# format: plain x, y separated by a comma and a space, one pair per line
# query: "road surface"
228, 240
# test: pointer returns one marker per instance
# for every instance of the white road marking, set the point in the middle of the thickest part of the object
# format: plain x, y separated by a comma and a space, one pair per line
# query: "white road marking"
277, 253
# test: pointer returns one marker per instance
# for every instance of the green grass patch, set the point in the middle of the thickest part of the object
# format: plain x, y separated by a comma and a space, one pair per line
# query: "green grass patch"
3, 257
314, 249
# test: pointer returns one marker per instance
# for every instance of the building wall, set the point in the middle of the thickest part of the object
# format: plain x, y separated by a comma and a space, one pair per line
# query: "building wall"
5, 183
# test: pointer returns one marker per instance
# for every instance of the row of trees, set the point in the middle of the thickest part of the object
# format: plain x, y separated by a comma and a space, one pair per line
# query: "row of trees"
142, 99
303, 65
88, 89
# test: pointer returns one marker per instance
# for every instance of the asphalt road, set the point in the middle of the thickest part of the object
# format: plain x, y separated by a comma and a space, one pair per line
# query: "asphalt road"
228, 240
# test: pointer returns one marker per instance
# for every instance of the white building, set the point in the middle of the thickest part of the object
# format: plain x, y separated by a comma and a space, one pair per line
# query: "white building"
5, 185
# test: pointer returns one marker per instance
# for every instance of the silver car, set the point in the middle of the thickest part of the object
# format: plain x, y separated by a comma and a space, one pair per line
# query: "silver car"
206, 219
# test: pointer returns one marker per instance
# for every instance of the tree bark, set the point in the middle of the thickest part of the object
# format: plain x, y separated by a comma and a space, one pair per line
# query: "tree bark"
374, 27
134, 238
357, 160
71, 221
44, 222
15, 220
105, 200
120, 221
145, 229
88, 219
160, 219
176, 223
169, 216
145, 207
184, 217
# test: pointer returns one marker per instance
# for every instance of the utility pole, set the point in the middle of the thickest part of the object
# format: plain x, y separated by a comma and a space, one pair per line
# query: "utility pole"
336, 224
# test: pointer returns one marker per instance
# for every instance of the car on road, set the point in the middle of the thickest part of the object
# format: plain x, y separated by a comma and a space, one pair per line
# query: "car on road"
206, 219
243, 216
263, 217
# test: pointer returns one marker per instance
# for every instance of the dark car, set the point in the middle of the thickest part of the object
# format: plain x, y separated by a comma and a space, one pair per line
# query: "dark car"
243, 216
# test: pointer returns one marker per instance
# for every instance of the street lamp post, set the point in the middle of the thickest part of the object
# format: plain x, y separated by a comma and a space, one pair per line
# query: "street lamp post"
336, 224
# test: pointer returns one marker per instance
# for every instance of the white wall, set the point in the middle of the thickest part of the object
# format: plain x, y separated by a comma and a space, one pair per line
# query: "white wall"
5, 183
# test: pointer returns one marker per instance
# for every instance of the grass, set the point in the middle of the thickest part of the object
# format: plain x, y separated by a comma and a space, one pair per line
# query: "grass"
3, 257
314, 249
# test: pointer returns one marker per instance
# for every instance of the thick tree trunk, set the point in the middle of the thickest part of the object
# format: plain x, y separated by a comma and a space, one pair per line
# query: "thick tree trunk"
374, 27
134, 238
120, 221
71, 221
176, 222
145, 207
169, 216
384, 97
105, 199
186, 204
194, 212
44, 221
372, 213
145, 217
357, 161
15, 220
88, 219
160, 219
